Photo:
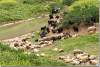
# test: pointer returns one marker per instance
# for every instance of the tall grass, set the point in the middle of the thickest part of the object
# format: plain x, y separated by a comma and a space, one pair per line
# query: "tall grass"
12, 10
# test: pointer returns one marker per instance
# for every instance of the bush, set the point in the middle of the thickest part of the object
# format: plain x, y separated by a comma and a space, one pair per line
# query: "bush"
68, 2
82, 11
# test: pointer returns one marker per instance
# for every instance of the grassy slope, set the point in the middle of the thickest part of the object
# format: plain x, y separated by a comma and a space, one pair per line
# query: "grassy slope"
13, 10
22, 28
88, 43
10, 57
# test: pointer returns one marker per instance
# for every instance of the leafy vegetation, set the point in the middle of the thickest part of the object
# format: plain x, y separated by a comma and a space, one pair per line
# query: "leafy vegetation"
82, 11
68, 2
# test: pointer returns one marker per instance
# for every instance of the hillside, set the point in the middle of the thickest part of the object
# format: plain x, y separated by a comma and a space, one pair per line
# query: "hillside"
49, 32
14, 10
88, 43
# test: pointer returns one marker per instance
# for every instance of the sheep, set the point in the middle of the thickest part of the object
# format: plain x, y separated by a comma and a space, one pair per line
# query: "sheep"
22, 43
55, 10
75, 62
75, 28
35, 50
92, 57
60, 30
83, 57
68, 60
37, 46
75, 35
16, 44
91, 29
62, 57
43, 28
93, 62
43, 34
51, 16
27, 47
77, 51
61, 50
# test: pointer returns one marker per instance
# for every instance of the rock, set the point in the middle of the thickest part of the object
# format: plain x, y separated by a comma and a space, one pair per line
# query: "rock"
93, 62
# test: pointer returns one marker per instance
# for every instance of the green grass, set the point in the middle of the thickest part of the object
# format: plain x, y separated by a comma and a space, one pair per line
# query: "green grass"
13, 10
22, 28
87, 43
10, 57
6, 1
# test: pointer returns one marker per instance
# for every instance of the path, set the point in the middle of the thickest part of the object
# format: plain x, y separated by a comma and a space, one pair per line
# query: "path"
19, 28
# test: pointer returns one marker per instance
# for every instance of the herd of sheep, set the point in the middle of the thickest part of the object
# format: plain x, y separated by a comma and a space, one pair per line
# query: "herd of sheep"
78, 56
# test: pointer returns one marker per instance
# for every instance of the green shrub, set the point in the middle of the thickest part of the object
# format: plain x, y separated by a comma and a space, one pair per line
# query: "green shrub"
68, 2
82, 11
